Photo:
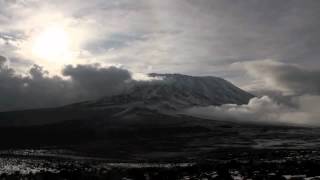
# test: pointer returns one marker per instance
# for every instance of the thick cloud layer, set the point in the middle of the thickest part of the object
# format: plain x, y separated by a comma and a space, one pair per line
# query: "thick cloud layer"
38, 90
294, 96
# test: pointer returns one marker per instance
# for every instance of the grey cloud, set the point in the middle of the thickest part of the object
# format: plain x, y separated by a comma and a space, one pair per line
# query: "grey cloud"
211, 32
2, 60
38, 89
10, 41
288, 78
97, 81
206, 32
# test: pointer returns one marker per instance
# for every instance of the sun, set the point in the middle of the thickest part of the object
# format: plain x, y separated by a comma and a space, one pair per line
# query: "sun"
52, 44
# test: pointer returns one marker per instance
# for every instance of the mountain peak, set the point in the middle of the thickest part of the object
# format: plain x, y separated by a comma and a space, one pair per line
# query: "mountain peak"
177, 91
177, 75
171, 94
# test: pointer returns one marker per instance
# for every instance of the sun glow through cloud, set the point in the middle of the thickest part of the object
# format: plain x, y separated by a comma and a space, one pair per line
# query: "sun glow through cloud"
53, 44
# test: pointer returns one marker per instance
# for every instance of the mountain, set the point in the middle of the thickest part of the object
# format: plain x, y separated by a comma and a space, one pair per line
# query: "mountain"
168, 93
174, 92
143, 121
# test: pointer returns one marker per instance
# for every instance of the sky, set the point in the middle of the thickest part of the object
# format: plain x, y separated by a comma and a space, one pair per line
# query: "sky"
263, 46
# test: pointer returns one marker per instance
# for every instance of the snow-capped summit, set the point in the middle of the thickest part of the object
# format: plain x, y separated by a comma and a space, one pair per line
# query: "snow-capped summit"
176, 91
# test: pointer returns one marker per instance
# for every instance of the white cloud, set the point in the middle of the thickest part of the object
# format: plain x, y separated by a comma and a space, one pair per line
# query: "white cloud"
265, 110
291, 95
145, 77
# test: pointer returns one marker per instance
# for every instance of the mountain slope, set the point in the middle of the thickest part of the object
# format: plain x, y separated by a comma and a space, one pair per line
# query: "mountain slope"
176, 91
141, 124
173, 92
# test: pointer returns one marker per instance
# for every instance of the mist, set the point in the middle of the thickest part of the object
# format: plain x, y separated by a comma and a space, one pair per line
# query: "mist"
265, 110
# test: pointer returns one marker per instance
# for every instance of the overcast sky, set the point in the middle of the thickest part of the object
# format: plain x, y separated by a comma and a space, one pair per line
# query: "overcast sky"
227, 38
184, 36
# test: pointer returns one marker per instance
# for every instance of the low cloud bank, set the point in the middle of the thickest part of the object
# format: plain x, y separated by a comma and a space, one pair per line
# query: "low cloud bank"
293, 96
265, 110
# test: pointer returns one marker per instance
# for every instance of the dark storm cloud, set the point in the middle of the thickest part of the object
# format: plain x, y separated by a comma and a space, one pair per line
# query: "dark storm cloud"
95, 81
38, 90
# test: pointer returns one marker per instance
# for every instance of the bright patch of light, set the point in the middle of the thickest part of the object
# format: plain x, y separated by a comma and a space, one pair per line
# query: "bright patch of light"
52, 44
145, 77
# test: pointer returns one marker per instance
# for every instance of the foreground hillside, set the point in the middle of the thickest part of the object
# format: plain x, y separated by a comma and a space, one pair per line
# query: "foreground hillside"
148, 135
